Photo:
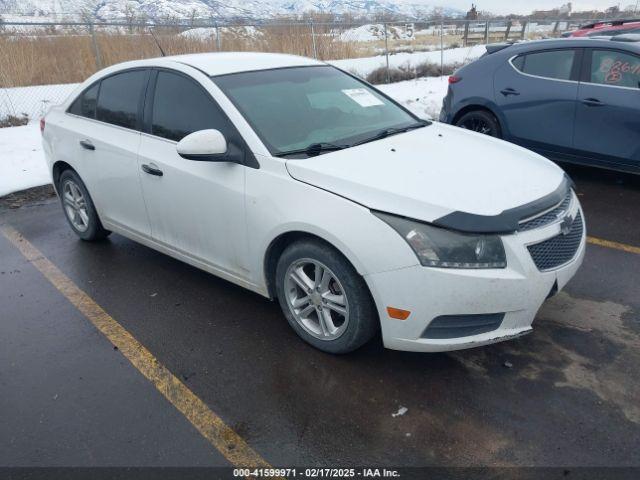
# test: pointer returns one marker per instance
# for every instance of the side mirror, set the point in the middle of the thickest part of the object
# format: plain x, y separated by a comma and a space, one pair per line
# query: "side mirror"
204, 146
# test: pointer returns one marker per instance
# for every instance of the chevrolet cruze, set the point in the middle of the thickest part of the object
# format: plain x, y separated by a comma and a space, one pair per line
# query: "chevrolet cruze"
304, 184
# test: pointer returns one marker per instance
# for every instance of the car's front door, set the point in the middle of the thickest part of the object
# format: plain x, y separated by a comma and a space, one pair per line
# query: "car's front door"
196, 208
608, 112
107, 140
536, 93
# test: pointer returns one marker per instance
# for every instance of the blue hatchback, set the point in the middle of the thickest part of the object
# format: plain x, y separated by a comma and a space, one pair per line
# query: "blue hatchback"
572, 100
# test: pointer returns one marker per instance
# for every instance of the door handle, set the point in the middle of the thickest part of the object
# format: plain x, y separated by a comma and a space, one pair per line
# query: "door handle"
152, 170
509, 91
87, 145
593, 102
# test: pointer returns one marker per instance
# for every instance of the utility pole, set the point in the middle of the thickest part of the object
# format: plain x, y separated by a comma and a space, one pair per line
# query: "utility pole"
386, 51
442, 45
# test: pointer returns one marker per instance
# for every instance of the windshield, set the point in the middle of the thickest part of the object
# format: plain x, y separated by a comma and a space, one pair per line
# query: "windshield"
316, 108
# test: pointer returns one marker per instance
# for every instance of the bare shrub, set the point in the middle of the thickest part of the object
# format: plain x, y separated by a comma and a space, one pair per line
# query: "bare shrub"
410, 72
13, 121
379, 75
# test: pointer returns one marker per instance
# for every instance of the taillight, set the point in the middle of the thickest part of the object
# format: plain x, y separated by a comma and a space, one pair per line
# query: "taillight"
453, 79
42, 125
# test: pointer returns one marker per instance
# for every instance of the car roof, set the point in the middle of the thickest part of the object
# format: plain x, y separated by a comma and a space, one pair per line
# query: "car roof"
223, 63
627, 37
572, 42
610, 23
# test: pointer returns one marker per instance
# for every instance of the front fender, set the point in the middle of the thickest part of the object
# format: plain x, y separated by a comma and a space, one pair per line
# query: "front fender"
278, 204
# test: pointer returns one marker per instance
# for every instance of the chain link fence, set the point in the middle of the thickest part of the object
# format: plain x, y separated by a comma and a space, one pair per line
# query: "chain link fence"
43, 62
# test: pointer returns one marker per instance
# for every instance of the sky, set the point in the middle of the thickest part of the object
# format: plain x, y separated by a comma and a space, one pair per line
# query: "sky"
526, 6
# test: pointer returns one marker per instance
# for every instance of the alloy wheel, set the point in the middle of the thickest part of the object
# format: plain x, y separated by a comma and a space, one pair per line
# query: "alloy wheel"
477, 124
75, 206
317, 299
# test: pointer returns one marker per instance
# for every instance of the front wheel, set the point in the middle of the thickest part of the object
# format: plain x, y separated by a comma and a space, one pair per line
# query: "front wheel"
324, 298
482, 122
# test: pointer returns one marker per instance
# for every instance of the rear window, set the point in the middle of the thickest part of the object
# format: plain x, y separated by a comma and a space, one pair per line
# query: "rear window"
554, 64
119, 98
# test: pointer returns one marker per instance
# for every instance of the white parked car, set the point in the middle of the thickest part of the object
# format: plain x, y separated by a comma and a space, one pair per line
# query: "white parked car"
300, 182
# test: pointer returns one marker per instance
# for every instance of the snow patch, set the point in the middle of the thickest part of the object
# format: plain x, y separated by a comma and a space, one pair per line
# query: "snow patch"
401, 411
366, 65
22, 163
208, 33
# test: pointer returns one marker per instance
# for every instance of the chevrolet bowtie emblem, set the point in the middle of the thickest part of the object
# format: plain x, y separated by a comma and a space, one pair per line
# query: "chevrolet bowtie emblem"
566, 224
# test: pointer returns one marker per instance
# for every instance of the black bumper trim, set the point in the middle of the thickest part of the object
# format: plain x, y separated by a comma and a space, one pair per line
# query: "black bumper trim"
456, 326
507, 221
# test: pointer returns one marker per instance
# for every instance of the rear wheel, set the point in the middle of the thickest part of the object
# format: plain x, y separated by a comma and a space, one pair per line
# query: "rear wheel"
324, 298
78, 207
480, 121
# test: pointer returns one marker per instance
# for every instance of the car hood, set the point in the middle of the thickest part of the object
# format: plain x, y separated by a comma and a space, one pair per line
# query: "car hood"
432, 172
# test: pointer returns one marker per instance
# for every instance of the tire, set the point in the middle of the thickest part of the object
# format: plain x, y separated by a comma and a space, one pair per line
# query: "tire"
345, 333
79, 209
480, 121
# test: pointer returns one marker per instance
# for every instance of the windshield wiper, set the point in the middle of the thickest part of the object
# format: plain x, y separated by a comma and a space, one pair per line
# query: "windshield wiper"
314, 149
387, 132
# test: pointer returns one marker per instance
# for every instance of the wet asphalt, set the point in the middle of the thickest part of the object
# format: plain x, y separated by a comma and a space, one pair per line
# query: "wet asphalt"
566, 395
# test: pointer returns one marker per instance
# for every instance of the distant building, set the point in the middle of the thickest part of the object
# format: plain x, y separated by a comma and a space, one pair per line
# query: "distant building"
561, 12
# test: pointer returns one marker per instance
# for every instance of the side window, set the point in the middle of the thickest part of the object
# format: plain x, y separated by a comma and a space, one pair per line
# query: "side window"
181, 107
85, 104
556, 64
609, 67
119, 98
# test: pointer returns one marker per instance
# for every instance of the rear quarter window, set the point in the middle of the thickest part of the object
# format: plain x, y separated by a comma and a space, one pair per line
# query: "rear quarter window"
85, 105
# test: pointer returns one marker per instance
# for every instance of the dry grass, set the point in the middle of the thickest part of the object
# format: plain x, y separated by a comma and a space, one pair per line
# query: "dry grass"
53, 57
66, 58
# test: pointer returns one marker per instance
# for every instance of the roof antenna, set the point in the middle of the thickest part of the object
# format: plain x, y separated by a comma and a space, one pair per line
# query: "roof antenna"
157, 42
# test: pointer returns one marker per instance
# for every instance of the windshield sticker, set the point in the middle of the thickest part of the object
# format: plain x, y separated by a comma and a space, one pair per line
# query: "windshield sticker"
362, 97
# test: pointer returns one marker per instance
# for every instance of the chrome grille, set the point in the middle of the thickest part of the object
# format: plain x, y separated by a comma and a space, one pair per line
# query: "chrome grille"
561, 249
547, 218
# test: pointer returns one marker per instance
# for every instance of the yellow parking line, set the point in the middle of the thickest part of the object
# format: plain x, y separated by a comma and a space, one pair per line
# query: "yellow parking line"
210, 425
615, 245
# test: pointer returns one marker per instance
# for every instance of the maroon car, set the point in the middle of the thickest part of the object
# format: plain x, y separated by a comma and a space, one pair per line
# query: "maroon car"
606, 29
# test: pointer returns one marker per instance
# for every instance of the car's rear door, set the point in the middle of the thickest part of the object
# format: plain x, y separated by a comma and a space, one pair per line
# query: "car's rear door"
536, 92
608, 112
196, 208
108, 140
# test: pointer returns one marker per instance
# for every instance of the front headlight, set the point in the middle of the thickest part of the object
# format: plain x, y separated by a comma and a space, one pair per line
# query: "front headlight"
438, 247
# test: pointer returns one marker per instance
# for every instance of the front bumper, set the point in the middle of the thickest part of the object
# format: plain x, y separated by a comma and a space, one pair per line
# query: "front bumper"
517, 291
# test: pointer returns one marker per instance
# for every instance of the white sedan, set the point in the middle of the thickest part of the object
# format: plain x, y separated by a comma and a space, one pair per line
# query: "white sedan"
302, 183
